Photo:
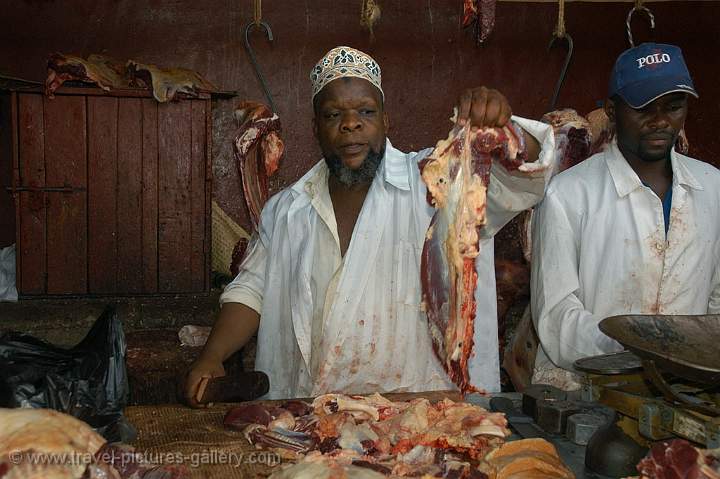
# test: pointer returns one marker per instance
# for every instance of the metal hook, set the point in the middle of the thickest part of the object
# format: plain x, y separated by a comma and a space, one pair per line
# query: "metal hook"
253, 59
629, 19
564, 70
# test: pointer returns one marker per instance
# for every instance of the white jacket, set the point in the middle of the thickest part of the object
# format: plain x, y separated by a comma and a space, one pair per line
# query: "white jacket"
374, 335
599, 249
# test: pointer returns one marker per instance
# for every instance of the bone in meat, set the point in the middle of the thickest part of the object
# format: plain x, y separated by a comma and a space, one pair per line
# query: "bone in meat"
457, 174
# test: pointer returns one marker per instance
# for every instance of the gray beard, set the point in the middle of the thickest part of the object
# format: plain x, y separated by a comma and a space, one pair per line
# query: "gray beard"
364, 174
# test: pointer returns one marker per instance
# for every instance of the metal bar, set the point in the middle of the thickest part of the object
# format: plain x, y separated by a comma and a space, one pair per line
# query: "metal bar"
52, 189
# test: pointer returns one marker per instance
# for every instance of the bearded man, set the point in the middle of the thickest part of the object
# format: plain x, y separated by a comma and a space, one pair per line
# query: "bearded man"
332, 279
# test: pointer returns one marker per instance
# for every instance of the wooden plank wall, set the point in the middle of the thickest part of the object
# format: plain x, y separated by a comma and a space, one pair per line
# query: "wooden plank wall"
30, 246
134, 222
66, 166
7, 203
150, 196
102, 192
174, 208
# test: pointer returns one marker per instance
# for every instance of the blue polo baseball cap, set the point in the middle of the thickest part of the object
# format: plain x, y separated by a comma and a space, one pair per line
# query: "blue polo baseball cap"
644, 73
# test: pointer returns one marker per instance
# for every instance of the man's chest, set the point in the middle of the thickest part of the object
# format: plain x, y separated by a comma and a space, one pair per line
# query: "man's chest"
625, 254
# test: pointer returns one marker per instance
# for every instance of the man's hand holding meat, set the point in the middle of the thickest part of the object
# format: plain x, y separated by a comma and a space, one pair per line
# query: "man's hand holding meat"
331, 280
486, 107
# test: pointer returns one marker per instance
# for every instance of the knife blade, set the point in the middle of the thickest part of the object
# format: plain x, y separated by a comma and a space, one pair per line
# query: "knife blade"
521, 423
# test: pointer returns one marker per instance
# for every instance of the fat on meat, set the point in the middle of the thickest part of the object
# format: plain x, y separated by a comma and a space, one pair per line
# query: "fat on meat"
40, 436
457, 173
258, 149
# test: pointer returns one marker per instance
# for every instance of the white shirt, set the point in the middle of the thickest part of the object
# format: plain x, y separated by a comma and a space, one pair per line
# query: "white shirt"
599, 249
374, 337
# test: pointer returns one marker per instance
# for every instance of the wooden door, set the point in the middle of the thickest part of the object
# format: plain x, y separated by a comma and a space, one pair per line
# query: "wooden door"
113, 195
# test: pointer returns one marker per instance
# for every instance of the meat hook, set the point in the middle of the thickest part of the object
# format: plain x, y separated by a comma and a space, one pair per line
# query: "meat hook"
561, 34
638, 8
253, 58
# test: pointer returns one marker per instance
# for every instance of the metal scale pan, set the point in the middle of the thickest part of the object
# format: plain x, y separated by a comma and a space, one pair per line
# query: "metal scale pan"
687, 347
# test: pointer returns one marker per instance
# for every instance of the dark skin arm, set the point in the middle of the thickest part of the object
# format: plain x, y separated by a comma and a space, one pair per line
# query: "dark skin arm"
234, 327
485, 107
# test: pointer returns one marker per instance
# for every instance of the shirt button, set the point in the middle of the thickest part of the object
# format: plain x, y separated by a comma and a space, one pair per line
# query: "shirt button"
659, 246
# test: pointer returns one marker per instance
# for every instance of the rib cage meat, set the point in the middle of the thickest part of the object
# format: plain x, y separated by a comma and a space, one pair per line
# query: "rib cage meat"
457, 174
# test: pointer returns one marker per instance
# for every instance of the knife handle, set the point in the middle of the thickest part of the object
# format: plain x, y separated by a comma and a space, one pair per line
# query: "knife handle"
244, 386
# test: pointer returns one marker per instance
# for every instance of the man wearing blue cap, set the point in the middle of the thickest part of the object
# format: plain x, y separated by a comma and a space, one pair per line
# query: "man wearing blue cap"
631, 230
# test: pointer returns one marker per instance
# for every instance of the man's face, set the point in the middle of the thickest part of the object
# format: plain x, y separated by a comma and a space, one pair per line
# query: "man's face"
649, 133
350, 125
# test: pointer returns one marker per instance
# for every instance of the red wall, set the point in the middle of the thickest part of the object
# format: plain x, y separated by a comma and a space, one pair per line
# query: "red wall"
427, 59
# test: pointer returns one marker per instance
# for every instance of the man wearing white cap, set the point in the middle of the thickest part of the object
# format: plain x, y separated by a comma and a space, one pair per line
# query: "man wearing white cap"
631, 230
332, 280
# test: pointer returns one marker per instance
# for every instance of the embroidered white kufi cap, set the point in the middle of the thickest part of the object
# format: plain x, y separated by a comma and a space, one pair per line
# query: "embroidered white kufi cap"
344, 62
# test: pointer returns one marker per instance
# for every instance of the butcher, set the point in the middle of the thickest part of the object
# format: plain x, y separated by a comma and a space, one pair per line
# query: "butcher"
631, 230
331, 281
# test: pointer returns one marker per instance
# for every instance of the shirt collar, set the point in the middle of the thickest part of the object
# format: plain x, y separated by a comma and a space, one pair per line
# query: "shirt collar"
394, 169
626, 180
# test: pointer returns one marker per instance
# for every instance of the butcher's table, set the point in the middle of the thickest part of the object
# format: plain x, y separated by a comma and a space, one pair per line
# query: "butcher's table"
195, 438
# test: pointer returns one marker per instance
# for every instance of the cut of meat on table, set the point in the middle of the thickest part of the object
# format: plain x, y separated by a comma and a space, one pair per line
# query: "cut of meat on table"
457, 175
315, 470
678, 459
363, 436
32, 440
526, 459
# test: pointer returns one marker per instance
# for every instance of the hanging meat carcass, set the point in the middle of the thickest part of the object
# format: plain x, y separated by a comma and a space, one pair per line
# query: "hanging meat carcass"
258, 149
480, 13
457, 174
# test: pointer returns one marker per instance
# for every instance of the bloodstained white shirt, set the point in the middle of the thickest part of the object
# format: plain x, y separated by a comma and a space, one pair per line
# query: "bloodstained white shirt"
374, 336
600, 249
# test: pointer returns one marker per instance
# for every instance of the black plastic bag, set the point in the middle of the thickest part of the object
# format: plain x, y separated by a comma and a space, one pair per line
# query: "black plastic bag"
88, 381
